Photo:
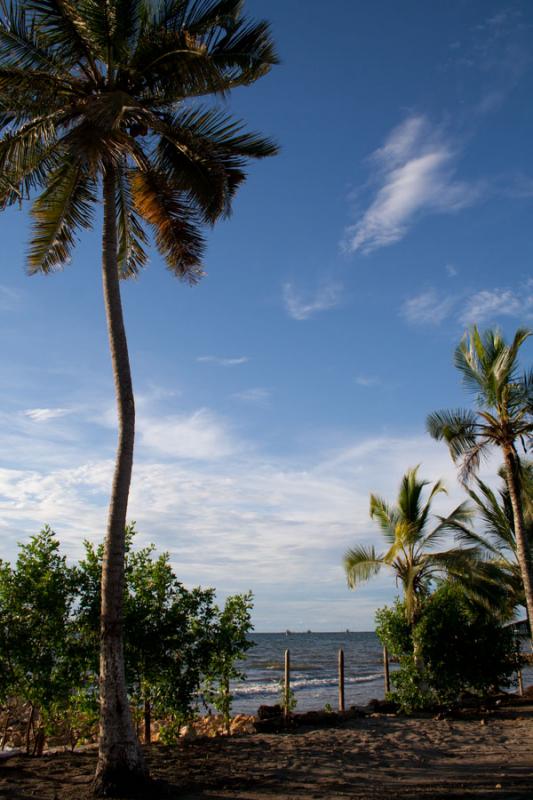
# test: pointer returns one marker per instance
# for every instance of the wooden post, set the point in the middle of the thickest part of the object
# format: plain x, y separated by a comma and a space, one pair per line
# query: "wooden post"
341, 679
386, 670
287, 686
147, 722
520, 683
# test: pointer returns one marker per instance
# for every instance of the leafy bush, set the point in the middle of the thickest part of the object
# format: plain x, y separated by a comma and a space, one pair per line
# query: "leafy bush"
181, 649
464, 648
230, 644
39, 654
451, 649
394, 630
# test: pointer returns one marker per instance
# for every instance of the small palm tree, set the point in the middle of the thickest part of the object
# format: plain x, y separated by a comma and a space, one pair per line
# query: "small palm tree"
489, 367
409, 554
96, 106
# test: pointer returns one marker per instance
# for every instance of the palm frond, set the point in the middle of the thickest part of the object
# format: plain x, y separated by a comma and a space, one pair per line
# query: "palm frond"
131, 236
458, 428
472, 460
175, 226
64, 207
360, 564
22, 44
497, 517
63, 25
409, 496
205, 152
204, 16
386, 517
202, 48
467, 537
245, 53
456, 560
457, 518
438, 488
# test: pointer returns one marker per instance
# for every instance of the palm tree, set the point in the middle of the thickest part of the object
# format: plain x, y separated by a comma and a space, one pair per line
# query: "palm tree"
497, 540
101, 94
489, 367
409, 554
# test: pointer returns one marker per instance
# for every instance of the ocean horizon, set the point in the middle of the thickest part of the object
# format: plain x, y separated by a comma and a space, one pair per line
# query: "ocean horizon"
314, 670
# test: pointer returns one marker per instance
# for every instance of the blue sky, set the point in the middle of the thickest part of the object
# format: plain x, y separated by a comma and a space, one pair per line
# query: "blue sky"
297, 376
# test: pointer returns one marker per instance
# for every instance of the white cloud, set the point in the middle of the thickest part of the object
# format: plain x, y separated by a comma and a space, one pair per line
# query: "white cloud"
250, 521
258, 395
451, 270
45, 414
415, 173
428, 307
223, 362
367, 381
431, 307
200, 436
326, 297
491, 304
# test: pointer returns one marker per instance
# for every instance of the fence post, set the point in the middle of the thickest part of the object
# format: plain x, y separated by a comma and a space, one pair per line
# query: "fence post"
386, 669
287, 687
147, 722
341, 679
520, 683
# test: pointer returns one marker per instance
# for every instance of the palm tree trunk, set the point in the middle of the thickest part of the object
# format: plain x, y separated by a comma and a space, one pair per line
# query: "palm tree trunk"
120, 761
522, 545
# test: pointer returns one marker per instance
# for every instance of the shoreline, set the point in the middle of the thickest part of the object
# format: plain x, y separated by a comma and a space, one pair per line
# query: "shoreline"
485, 753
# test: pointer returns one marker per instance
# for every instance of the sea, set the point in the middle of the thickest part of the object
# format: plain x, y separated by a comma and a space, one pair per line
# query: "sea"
314, 670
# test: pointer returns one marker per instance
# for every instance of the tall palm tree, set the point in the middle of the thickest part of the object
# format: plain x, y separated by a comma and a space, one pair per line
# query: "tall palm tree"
489, 367
409, 554
100, 97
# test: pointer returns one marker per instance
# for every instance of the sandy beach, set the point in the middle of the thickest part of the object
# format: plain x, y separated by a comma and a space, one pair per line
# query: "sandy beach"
486, 755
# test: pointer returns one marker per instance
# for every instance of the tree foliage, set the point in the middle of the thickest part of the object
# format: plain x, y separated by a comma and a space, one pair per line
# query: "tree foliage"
461, 648
39, 653
181, 648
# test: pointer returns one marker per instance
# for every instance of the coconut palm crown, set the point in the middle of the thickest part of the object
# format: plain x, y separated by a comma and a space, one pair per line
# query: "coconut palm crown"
503, 419
93, 90
410, 539
100, 100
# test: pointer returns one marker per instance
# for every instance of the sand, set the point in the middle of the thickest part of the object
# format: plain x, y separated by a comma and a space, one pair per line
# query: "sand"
488, 755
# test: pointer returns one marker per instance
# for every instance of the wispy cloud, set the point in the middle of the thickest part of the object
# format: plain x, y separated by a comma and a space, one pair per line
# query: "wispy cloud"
428, 307
223, 362
45, 414
489, 305
415, 174
258, 395
367, 381
451, 270
497, 53
201, 436
248, 520
327, 296
432, 307
9, 298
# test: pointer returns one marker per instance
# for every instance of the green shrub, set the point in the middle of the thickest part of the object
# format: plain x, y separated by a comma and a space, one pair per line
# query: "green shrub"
463, 649
451, 649
181, 649
393, 629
